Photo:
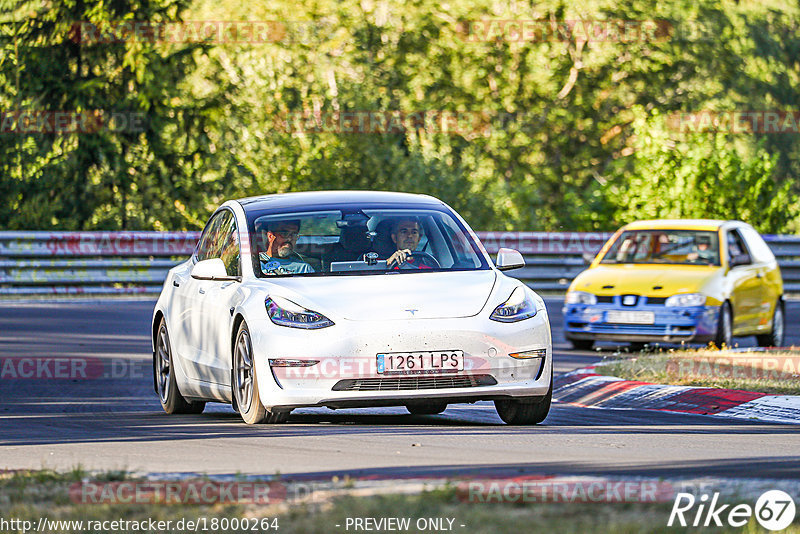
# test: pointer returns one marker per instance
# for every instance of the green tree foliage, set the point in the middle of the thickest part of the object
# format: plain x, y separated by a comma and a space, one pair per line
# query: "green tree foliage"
150, 148
703, 175
576, 137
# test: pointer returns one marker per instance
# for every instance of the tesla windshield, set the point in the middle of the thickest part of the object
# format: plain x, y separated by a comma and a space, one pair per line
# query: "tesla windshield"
361, 241
686, 247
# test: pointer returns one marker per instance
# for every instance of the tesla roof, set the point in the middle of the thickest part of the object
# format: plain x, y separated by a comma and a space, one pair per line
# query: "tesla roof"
676, 224
310, 199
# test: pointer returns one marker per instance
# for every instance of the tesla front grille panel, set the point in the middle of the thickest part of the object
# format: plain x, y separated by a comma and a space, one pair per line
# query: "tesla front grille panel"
414, 383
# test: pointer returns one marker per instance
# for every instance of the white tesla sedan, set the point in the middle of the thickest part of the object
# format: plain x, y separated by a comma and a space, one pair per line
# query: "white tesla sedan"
348, 299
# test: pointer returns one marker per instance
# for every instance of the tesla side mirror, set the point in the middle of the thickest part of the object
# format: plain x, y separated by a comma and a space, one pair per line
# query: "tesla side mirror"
588, 257
740, 259
212, 269
508, 258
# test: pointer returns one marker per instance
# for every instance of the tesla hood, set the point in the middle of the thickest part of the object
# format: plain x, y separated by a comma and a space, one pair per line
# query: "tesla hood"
394, 296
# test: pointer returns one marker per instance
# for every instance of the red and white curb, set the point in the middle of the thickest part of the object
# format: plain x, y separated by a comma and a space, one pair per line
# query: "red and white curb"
585, 387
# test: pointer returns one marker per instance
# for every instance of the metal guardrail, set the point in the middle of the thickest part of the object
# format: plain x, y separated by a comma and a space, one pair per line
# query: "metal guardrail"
107, 263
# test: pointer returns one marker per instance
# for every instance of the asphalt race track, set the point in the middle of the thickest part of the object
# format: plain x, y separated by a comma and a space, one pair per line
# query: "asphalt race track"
115, 421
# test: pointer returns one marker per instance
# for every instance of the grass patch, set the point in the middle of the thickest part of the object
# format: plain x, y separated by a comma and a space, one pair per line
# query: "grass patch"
29, 496
765, 372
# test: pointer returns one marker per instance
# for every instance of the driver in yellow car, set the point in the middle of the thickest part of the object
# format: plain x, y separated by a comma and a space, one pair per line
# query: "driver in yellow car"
406, 234
703, 252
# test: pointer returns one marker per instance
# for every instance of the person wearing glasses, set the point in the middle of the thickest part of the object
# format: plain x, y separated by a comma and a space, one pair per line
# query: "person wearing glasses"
281, 256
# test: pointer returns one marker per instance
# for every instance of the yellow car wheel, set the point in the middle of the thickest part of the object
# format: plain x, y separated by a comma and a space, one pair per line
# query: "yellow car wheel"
724, 326
776, 337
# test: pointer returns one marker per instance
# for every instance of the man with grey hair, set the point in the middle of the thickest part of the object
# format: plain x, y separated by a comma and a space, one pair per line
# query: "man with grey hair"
281, 256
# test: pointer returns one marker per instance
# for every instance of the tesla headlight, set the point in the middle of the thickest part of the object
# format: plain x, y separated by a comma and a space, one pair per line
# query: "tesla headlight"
581, 297
284, 312
519, 306
686, 299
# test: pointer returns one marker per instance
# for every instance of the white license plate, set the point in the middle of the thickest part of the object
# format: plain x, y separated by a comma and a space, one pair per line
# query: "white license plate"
630, 317
424, 362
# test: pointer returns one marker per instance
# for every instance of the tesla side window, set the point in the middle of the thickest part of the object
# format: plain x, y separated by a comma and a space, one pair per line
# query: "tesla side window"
221, 240
205, 246
227, 245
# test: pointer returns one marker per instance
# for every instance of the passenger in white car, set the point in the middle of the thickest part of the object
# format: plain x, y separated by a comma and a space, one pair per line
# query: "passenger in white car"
281, 256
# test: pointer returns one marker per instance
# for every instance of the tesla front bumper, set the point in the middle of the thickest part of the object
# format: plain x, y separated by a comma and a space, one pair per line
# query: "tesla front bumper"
346, 355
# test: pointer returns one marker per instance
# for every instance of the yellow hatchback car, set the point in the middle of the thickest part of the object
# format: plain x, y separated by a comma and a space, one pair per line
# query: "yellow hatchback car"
678, 281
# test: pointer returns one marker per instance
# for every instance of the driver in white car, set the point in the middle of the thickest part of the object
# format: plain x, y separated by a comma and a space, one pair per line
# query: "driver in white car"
406, 234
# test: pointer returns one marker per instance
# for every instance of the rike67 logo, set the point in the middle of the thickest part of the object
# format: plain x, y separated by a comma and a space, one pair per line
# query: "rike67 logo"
774, 510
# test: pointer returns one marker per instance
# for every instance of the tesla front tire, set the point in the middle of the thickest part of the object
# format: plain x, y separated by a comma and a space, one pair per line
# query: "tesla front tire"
170, 396
525, 411
245, 383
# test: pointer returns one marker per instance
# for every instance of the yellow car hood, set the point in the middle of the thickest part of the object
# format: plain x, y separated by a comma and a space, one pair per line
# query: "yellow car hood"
643, 279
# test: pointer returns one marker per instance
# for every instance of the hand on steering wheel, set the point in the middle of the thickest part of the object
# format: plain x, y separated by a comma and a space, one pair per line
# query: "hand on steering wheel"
401, 260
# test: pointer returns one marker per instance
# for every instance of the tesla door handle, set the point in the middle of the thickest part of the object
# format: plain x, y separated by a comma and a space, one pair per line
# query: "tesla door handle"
176, 283
201, 291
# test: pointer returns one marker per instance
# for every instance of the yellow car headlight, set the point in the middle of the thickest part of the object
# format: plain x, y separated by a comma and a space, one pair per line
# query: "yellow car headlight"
581, 297
686, 299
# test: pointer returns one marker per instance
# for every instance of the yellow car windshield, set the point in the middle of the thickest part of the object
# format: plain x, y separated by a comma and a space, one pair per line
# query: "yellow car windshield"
683, 247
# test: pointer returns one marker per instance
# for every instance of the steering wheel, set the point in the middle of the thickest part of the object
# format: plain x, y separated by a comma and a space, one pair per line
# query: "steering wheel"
424, 258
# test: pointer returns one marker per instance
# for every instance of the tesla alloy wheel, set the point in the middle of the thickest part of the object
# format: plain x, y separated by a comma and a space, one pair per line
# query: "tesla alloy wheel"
171, 399
245, 383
